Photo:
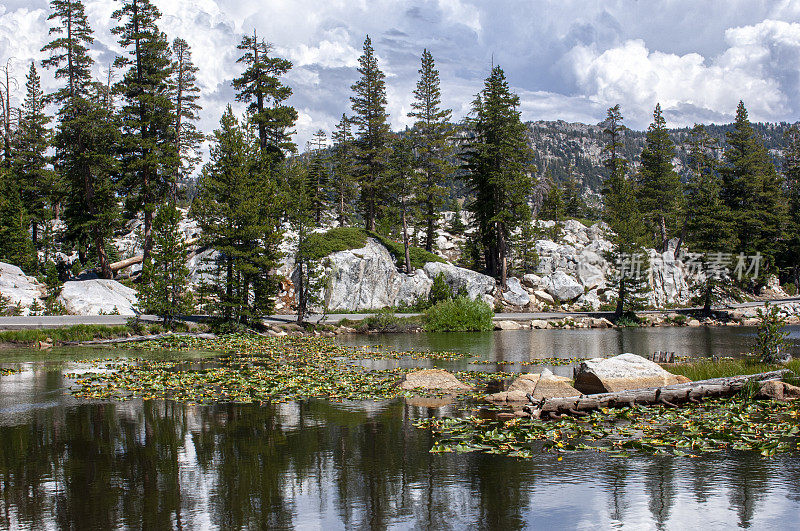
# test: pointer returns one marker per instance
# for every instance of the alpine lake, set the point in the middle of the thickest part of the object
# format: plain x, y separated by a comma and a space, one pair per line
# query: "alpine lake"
99, 438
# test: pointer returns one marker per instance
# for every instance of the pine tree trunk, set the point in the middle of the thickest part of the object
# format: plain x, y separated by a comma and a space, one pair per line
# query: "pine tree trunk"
620, 297
503, 255
102, 257
405, 236
430, 232
707, 299
663, 226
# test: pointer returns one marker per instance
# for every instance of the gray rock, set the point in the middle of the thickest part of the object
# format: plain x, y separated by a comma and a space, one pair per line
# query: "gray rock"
590, 276
363, 279
20, 289
531, 280
563, 287
507, 325
515, 294
433, 379
476, 284
626, 371
413, 287
98, 296
544, 297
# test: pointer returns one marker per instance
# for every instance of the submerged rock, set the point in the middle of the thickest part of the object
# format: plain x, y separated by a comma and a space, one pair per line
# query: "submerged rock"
626, 371
98, 296
542, 385
433, 380
552, 386
776, 390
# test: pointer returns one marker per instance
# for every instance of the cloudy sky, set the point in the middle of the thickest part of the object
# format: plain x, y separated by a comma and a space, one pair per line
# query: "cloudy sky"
567, 59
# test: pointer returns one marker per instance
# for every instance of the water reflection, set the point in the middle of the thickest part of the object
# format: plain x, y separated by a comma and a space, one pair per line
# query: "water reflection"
315, 464
524, 345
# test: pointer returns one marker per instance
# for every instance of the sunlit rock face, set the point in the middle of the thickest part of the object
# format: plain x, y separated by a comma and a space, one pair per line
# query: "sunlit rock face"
21, 290
98, 296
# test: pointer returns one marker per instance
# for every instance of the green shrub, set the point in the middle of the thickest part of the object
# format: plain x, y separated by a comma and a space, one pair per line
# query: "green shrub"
440, 290
771, 334
790, 288
628, 319
320, 245
460, 314
386, 321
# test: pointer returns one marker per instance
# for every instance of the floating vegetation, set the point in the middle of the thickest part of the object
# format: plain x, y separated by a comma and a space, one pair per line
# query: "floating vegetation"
254, 369
766, 427
6, 371
538, 361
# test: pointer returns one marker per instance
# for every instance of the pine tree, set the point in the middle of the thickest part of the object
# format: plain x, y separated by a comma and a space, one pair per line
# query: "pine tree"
148, 139
236, 213
318, 175
751, 188
659, 186
404, 181
15, 245
621, 213
574, 205
87, 135
165, 276
791, 171
498, 171
185, 94
261, 88
346, 187
30, 161
300, 215
553, 208
432, 134
709, 225
372, 146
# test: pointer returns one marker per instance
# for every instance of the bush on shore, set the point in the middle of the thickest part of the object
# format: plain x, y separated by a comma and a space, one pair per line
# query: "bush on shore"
460, 314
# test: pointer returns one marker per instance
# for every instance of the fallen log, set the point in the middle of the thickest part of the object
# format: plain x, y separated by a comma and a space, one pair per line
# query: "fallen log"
133, 339
122, 264
669, 396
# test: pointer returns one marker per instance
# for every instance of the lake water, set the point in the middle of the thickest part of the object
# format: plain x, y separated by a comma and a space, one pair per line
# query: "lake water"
67, 463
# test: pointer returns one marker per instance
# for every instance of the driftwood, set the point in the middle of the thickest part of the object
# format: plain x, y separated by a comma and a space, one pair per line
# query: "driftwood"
133, 339
670, 395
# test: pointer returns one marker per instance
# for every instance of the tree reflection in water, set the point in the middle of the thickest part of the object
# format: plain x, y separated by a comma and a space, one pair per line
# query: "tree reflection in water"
156, 464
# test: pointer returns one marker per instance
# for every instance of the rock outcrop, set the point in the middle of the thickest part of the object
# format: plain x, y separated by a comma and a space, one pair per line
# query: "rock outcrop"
541, 385
776, 390
20, 290
626, 371
98, 296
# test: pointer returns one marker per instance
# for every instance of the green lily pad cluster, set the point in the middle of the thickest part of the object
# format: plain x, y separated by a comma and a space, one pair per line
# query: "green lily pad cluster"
766, 427
6, 371
254, 369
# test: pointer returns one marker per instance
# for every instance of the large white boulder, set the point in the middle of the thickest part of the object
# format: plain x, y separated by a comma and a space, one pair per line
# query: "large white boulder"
563, 287
362, 279
476, 284
20, 289
98, 296
626, 371
515, 294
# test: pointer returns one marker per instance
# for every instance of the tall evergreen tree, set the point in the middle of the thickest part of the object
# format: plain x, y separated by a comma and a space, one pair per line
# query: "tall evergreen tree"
86, 136
261, 88
15, 245
498, 171
185, 94
148, 139
346, 187
300, 213
318, 175
659, 186
30, 161
165, 277
234, 208
751, 188
791, 171
6, 113
371, 121
404, 181
574, 205
432, 133
709, 224
621, 213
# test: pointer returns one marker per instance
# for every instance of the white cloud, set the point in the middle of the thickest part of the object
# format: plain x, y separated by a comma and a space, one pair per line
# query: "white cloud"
565, 58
